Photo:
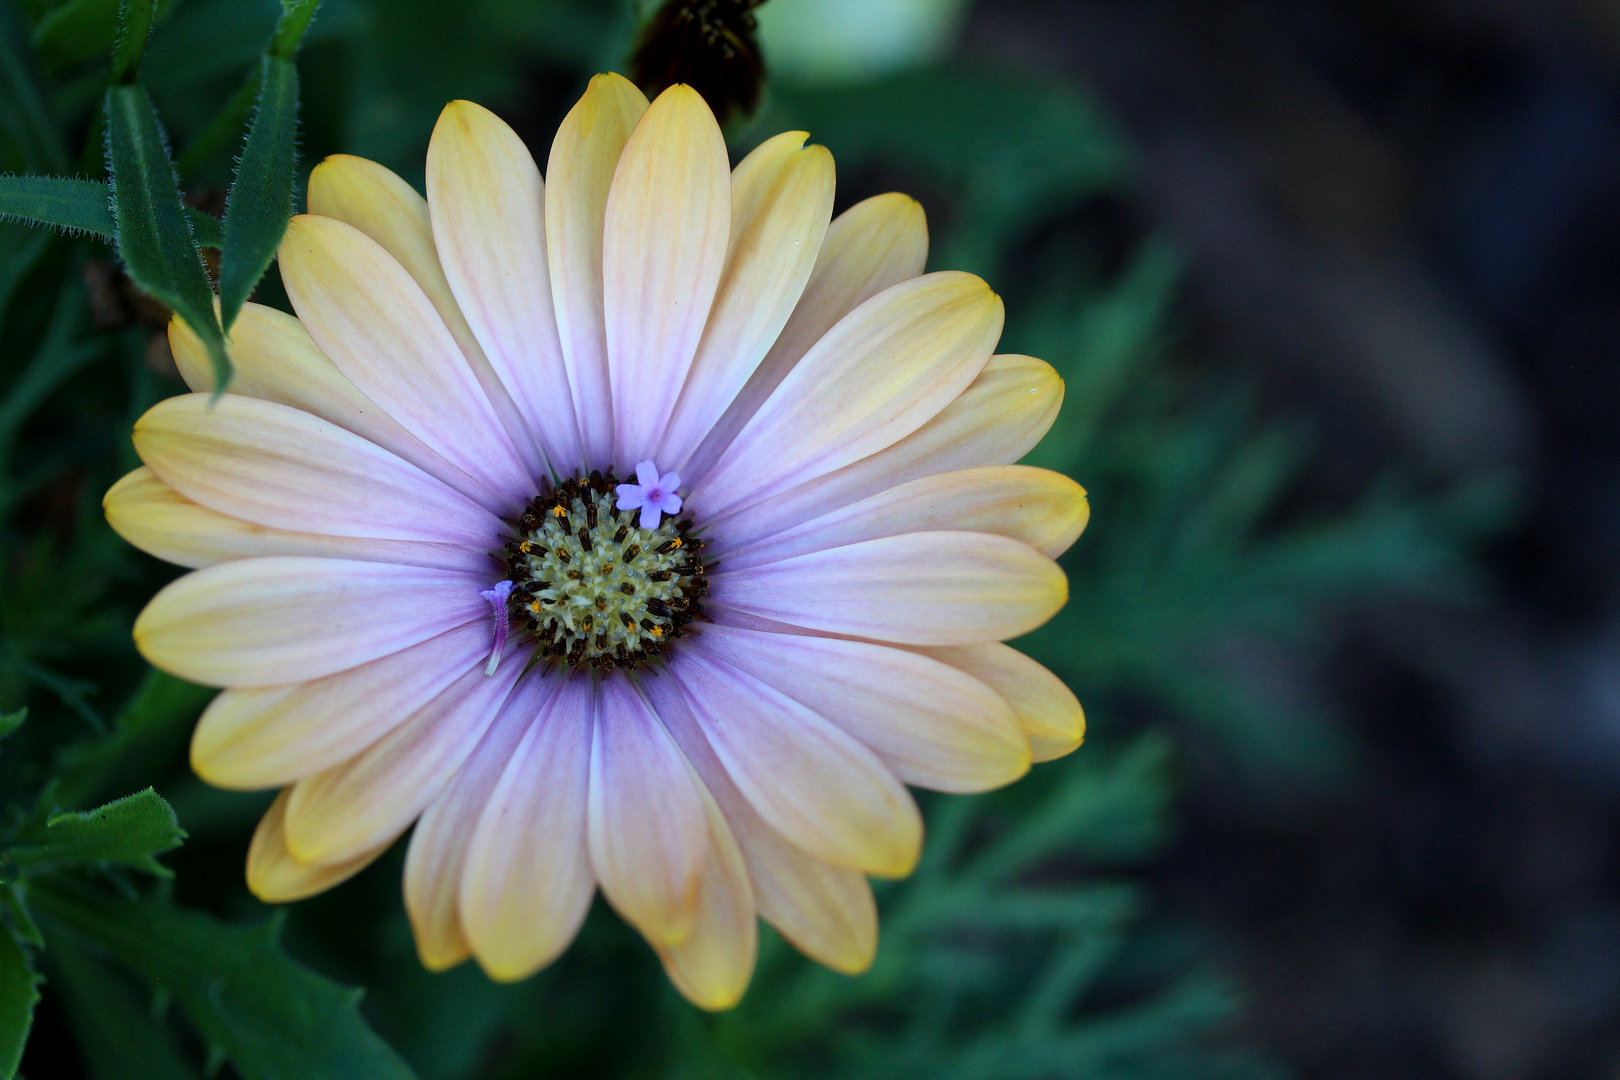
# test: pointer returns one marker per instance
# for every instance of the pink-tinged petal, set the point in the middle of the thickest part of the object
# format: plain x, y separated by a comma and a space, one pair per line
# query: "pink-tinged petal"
527, 883
826, 911
162, 522
379, 328
276, 360
261, 622
647, 474
781, 202
579, 176
262, 737
1046, 709
934, 588
996, 421
1044, 509
934, 725
712, 966
437, 855
383, 206
648, 834
883, 372
275, 877
663, 247
350, 808
874, 244
811, 781
273, 465
650, 515
489, 221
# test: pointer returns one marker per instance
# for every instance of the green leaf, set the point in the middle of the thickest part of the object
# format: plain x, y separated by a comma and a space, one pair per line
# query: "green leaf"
80, 206
295, 17
261, 199
22, 922
116, 1031
270, 1017
19, 991
10, 722
149, 734
76, 31
59, 202
206, 228
154, 234
134, 27
129, 831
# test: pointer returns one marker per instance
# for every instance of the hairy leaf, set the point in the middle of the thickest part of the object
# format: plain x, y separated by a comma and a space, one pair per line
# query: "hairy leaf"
19, 990
295, 17
134, 26
270, 1017
154, 233
261, 199
129, 831
60, 202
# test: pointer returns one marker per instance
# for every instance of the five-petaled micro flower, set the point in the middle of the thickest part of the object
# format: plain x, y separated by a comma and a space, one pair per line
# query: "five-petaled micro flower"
432, 599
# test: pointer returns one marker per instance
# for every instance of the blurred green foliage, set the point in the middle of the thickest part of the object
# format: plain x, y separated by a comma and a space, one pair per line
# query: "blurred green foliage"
1022, 948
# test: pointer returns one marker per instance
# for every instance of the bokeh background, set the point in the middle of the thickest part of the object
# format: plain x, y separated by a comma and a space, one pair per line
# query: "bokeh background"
1335, 287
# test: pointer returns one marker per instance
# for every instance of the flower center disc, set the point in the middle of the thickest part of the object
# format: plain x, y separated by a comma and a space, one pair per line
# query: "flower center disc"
595, 588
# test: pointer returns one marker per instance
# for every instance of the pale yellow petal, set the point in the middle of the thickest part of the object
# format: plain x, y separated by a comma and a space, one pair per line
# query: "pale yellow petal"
377, 325
1044, 509
932, 588
810, 780
275, 877
647, 831
996, 421
713, 965
935, 726
826, 911
160, 521
527, 883
277, 466
488, 213
663, 248
435, 864
1047, 709
579, 175
276, 360
382, 205
876, 243
781, 201
437, 854
263, 622
262, 737
883, 372
347, 809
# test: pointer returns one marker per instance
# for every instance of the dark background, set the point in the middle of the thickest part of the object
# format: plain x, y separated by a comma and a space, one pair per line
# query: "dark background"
1404, 220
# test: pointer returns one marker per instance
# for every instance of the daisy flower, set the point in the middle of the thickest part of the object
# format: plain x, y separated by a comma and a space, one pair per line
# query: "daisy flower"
642, 529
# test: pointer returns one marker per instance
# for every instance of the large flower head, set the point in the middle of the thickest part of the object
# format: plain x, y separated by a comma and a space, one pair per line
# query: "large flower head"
642, 529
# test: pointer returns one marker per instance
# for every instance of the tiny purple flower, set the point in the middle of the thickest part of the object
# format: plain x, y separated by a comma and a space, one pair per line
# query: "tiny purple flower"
654, 494
497, 600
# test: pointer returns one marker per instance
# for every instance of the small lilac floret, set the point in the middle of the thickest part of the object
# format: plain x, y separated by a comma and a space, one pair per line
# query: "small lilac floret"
497, 600
654, 494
